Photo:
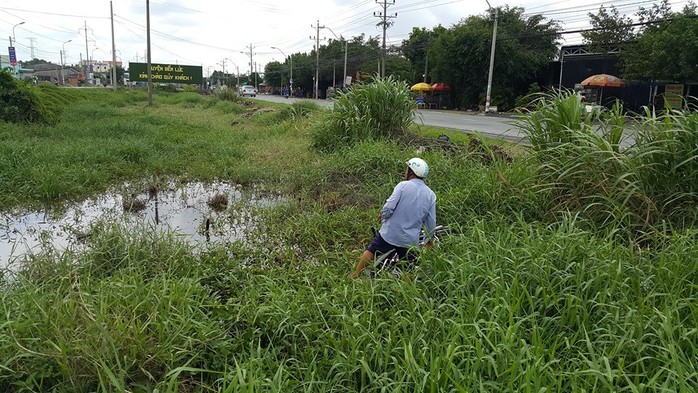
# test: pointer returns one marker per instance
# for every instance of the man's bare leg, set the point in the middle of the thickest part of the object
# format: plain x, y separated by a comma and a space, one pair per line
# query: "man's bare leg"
366, 257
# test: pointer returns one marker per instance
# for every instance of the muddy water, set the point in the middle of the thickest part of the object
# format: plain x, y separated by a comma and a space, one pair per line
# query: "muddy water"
185, 209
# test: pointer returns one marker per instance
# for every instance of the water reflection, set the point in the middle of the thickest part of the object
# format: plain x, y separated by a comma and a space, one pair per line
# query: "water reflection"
183, 208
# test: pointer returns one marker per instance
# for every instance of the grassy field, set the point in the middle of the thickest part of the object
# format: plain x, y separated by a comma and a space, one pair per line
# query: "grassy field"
532, 292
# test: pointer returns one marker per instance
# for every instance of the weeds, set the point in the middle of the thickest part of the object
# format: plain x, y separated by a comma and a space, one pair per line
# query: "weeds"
591, 162
381, 109
298, 110
532, 291
20, 102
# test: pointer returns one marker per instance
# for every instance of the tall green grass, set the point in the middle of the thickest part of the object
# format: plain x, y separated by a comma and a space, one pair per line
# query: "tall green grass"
529, 293
635, 175
376, 110
105, 138
505, 306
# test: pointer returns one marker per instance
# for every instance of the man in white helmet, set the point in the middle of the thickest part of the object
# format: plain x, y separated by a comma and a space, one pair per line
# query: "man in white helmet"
411, 207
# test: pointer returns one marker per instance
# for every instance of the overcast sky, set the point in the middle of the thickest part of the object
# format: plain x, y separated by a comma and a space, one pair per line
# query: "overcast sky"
207, 32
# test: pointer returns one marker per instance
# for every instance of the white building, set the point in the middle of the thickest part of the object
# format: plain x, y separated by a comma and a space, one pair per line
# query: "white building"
100, 67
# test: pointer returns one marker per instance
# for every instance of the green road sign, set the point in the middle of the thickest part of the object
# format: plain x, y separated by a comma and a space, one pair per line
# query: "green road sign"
166, 73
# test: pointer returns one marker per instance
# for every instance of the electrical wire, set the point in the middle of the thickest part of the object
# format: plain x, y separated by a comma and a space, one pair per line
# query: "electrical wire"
353, 18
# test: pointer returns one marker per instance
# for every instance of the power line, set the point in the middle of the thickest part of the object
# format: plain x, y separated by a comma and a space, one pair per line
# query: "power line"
585, 30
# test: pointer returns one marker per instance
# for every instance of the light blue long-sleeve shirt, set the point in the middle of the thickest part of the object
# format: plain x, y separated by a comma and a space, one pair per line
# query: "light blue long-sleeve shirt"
411, 206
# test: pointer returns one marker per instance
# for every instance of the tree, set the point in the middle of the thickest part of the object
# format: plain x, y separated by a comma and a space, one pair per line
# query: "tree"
276, 74
399, 67
415, 49
610, 31
461, 55
666, 49
655, 13
363, 55
34, 62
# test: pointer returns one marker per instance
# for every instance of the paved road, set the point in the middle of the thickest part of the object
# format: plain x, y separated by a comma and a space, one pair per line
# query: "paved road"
498, 126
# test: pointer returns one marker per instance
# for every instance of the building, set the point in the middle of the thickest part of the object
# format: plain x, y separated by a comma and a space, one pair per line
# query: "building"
99, 66
48, 72
576, 63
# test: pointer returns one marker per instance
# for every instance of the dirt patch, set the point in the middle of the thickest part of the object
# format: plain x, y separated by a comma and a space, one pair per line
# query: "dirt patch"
475, 148
133, 205
255, 110
218, 202
488, 154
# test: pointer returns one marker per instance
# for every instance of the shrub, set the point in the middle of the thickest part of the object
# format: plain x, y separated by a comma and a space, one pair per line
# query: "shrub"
587, 162
381, 109
19, 102
298, 109
226, 94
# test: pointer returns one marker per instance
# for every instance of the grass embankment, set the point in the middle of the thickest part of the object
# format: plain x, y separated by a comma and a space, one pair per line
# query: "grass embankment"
522, 297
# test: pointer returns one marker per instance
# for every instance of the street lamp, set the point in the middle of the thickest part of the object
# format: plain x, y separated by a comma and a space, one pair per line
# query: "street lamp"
14, 38
237, 72
62, 62
91, 65
290, 82
494, 41
346, 49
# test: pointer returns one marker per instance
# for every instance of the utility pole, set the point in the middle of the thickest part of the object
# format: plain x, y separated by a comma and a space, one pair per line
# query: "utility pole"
62, 62
87, 54
346, 48
290, 78
224, 76
31, 47
344, 78
317, 54
384, 15
251, 62
150, 72
62, 66
237, 70
113, 50
494, 42
562, 63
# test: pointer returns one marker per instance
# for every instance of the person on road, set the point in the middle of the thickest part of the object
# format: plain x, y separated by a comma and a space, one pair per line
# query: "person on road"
411, 206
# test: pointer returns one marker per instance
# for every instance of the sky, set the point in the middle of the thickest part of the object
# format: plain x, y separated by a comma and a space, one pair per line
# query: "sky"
223, 33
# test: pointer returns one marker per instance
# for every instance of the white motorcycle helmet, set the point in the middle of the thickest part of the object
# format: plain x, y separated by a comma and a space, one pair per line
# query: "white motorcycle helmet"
419, 167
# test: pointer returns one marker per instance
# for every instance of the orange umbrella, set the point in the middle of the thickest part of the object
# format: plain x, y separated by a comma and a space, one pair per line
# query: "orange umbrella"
602, 80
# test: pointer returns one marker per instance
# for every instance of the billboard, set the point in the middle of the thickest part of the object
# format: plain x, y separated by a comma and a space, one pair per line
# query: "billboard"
166, 73
13, 56
673, 96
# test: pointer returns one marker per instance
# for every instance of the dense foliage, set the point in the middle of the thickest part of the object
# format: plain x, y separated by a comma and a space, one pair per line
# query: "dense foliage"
609, 30
639, 182
460, 56
19, 102
527, 294
653, 57
647, 50
376, 110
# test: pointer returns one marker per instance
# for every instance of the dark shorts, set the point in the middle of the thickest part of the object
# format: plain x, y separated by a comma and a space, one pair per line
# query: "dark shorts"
379, 246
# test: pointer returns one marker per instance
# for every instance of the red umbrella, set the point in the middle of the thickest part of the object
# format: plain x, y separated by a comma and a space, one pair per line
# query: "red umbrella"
440, 87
